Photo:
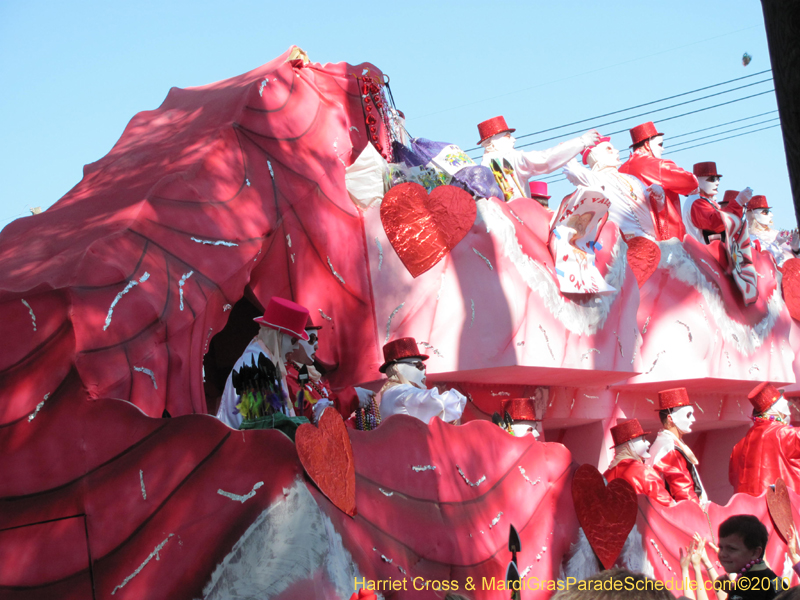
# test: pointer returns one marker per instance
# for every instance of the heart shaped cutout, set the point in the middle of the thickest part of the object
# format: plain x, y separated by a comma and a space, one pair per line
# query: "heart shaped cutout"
643, 258
606, 513
780, 508
423, 228
790, 286
327, 456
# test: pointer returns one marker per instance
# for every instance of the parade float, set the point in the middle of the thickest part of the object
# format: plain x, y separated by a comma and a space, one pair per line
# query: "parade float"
127, 302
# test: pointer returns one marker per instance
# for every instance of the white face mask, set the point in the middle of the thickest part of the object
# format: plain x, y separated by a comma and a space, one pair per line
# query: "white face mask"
657, 146
414, 375
683, 418
603, 155
640, 447
709, 185
502, 143
782, 407
523, 428
763, 218
287, 346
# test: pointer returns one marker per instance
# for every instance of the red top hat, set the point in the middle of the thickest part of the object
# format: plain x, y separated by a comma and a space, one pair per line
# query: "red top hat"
310, 324
763, 396
627, 431
729, 196
398, 349
286, 316
757, 202
705, 169
520, 409
643, 132
585, 153
674, 398
539, 190
491, 127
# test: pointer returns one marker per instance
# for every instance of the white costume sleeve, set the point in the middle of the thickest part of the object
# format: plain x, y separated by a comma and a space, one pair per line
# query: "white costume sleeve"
422, 404
539, 162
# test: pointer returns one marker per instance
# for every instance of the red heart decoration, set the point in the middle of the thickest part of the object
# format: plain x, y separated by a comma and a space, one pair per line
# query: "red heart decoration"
790, 286
423, 228
606, 513
643, 258
780, 508
327, 457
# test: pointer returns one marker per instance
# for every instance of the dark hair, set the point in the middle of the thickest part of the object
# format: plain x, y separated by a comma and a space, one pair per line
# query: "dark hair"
626, 584
640, 144
749, 528
663, 414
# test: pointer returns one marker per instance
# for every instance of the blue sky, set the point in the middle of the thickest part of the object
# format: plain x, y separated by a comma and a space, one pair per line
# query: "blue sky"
73, 74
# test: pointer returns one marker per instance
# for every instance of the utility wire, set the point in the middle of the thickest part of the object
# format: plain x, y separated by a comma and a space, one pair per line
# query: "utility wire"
645, 114
769, 112
705, 137
728, 138
653, 102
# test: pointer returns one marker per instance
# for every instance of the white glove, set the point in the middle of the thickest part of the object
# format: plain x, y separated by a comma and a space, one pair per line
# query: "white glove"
656, 193
744, 196
364, 397
590, 138
320, 407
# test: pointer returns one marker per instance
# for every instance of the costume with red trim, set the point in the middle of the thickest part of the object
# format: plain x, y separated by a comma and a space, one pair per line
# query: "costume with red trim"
673, 179
677, 464
705, 213
769, 450
312, 390
644, 479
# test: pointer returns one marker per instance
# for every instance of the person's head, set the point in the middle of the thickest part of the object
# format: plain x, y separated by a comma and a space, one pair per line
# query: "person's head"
523, 416
646, 139
282, 326
616, 584
742, 540
630, 436
707, 178
601, 156
495, 135
403, 362
307, 349
676, 411
759, 210
767, 400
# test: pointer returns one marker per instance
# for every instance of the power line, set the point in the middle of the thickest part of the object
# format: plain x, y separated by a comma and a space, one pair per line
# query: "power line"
769, 112
660, 120
728, 138
651, 103
705, 137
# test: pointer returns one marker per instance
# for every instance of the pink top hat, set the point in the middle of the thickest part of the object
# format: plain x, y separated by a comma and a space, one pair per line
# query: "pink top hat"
285, 316
493, 126
539, 190
585, 153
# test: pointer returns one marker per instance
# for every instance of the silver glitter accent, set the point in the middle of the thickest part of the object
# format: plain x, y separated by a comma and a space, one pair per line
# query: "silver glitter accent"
470, 483
237, 497
292, 257
30, 310
486, 260
271, 172
653, 366
380, 253
649, 400
697, 404
147, 371
515, 216
586, 354
214, 242
496, 520
289, 240
728, 356
401, 569
141, 480
335, 274
324, 316
500, 394
385, 493
389, 322
646, 323
528, 479
388, 560
592, 397
261, 87
354, 128
616, 400
522, 343
547, 339
430, 347
771, 348
208, 339
619, 343
663, 560
181, 283
689, 331
127, 289
472, 322
526, 571
424, 468
39, 406
247, 181
714, 272
153, 554
705, 318
755, 366
226, 308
